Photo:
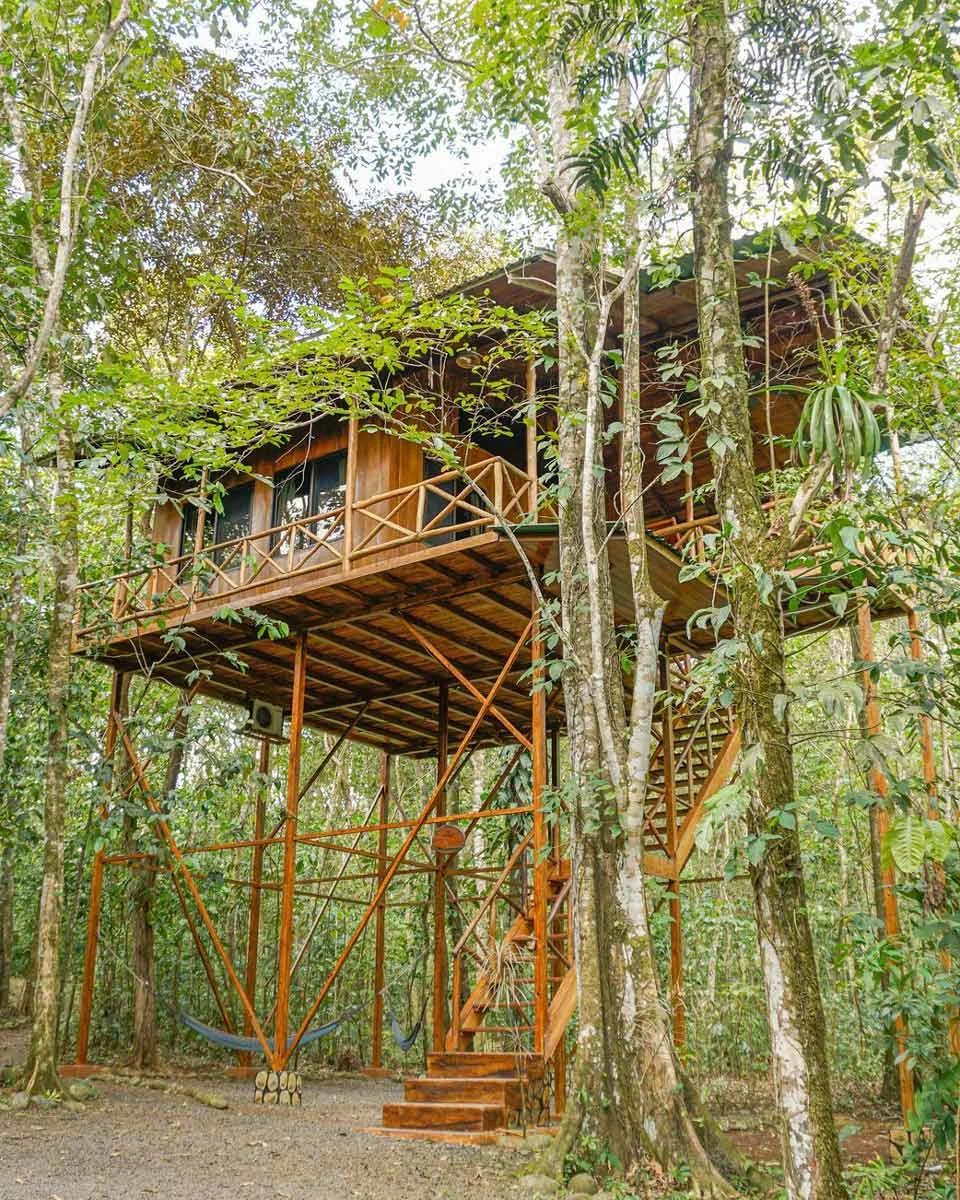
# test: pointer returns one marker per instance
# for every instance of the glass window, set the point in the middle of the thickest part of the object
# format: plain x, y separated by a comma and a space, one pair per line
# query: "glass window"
233, 522
309, 490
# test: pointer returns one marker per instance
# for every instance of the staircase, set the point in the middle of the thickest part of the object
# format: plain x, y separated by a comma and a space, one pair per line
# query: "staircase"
698, 735
492, 1073
464, 1091
470, 1091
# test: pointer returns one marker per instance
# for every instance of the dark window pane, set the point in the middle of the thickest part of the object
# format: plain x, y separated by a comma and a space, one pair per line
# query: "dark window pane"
329, 482
234, 521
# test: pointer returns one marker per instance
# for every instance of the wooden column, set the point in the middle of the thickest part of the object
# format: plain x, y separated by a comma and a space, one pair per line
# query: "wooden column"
532, 468
558, 966
930, 782
256, 878
541, 859
288, 883
381, 917
891, 915
673, 885
96, 887
439, 883
350, 490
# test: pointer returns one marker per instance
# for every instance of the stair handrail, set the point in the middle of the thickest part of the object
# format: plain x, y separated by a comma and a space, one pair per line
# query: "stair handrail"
487, 901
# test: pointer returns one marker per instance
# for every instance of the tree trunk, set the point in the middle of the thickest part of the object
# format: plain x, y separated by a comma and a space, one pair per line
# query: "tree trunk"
41, 1073
811, 1154
141, 894
627, 1096
13, 606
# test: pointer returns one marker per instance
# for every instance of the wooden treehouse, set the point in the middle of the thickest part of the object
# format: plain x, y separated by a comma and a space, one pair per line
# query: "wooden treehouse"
412, 628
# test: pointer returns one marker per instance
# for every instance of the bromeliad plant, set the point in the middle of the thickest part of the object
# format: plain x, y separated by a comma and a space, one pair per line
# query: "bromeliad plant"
838, 422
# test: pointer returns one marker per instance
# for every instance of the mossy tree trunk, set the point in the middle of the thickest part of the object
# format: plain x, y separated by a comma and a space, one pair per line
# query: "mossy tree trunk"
41, 1072
8, 796
627, 1099
794, 1006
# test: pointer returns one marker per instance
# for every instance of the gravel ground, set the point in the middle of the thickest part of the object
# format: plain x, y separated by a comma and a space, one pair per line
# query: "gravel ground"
135, 1142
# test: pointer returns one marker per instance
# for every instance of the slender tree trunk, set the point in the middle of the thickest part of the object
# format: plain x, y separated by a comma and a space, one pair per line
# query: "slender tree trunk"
141, 895
811, 1155
41, 1074
8, 797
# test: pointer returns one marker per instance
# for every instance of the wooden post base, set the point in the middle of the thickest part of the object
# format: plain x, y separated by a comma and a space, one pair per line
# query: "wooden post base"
80, 1070
277, 1087
243, 1072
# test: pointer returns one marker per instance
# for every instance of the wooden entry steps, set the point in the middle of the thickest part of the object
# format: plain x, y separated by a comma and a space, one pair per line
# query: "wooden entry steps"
467, 1091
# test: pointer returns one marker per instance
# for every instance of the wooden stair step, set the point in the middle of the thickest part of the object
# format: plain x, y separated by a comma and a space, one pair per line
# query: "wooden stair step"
406, 1115
504, 1093
460, 1064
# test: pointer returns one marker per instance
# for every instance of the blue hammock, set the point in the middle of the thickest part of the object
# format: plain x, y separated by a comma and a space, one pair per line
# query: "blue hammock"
234, 1041
405, 1041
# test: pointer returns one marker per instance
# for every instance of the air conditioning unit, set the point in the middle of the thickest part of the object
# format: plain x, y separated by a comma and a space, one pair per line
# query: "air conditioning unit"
265, 720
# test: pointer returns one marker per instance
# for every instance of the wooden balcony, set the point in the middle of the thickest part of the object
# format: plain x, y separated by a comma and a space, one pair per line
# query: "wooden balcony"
383, 531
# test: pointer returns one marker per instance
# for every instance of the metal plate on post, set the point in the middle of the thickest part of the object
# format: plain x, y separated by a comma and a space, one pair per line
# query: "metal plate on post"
447, 839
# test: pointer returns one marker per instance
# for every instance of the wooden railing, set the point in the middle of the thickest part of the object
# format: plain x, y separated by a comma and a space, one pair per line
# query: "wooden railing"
454, 504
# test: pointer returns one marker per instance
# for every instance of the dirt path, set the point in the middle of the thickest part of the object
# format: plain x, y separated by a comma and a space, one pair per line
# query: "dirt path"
134, 1142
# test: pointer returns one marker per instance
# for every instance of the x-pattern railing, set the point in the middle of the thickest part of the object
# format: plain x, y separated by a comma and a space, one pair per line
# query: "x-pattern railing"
454, 504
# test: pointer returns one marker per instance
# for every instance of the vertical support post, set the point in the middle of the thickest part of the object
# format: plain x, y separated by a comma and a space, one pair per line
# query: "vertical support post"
541, 863
891, 915
440, 883
381, 918
930, 782
256, 892
96, 888
532, 468
198, 538
926, 737
558, 965
350, 491
288, 882
673, 886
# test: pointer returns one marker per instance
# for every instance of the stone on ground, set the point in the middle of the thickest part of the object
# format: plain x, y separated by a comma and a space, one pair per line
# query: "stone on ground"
538, 1185
538, 1141
582, 1185
20, 1100
81, 1090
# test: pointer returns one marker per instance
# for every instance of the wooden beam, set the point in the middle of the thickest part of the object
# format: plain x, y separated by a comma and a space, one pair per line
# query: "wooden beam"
202, 955
878, 780
253, 919
461, 678
439, 1031
381, 926
541, 860
289, 877
719, 774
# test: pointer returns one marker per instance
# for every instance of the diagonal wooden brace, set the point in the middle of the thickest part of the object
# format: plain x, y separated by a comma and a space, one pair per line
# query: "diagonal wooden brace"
474, 691
175, 851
